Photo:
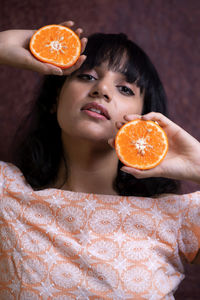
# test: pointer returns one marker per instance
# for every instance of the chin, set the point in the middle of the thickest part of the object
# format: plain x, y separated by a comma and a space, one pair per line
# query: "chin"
90, 131
95, 137
94, 132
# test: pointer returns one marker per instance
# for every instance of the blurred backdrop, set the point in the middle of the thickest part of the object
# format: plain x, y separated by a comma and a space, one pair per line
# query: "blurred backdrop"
167, 30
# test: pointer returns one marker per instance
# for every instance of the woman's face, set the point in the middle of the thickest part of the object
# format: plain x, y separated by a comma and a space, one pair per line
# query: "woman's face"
91, 102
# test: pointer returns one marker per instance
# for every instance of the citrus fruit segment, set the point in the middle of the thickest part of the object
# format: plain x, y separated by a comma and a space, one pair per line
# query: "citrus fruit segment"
57, 45
141, 144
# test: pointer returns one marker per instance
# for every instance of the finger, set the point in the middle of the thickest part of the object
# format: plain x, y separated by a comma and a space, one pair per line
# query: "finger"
40, 67
79, 31
111, 142
119, 124
75, 67
46, 69
83, 44
51, 69
141, 173
68, 23
157, 117
132, 117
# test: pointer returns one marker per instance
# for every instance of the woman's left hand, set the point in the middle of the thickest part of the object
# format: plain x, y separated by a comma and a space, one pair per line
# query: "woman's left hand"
182, 161
14, 51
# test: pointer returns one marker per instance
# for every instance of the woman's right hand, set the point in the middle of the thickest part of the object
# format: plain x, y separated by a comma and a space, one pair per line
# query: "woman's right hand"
14, 51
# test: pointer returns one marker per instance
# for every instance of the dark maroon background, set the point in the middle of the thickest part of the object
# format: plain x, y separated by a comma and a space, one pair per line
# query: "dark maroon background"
168, 30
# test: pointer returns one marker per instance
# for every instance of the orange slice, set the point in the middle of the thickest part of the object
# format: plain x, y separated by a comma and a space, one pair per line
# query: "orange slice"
57, 45
141, 144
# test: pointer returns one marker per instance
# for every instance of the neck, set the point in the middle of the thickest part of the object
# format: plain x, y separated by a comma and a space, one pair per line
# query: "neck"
91, 167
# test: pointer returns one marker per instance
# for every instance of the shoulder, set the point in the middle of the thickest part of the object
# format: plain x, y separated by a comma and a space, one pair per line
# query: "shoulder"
194, 196
9, 173
3, 168
7, 168
3, 165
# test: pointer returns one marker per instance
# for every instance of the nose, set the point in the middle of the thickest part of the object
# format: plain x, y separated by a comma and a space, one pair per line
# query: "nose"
101, 90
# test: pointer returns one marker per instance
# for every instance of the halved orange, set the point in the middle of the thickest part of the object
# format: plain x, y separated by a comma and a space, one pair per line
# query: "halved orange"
141, 144
57, 45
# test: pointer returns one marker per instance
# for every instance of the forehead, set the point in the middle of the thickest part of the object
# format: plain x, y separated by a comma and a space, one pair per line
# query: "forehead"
112, 61
106, 67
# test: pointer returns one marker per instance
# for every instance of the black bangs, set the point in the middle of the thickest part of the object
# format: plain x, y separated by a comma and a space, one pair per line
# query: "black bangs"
121, 54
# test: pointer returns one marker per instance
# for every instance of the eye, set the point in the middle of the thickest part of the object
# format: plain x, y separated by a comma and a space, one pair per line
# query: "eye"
86, 77
125, 90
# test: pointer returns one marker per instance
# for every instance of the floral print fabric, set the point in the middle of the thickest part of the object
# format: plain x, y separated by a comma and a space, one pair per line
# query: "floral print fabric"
57, 244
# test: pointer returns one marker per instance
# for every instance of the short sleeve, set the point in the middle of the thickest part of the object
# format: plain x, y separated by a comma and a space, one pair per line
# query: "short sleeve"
189, 235
3, 166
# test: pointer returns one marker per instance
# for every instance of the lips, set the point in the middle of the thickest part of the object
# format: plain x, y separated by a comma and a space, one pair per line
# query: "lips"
96, 108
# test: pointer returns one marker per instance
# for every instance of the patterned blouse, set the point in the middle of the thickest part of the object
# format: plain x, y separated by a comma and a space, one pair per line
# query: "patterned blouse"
57, 244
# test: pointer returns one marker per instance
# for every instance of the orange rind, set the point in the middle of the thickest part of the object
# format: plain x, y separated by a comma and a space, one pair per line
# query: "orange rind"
141, 144
57, 45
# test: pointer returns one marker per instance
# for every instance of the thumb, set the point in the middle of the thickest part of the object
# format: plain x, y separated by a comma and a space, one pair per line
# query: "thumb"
34, 64
44, 68
155, 172
111, 142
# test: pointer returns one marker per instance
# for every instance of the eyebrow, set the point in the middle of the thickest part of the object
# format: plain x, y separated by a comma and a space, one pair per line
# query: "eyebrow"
121, 73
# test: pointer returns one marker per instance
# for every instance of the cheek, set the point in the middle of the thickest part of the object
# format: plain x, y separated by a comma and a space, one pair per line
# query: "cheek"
132, 107
68, 97
69, 102
64, 110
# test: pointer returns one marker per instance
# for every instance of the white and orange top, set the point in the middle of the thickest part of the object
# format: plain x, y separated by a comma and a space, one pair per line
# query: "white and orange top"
57, 244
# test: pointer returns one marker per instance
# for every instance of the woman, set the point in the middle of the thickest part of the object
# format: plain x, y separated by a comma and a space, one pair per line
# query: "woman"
68, 231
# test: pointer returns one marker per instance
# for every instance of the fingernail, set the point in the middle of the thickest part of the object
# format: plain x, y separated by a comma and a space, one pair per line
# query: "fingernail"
119, 124
131, 117
58, 72
144, 117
